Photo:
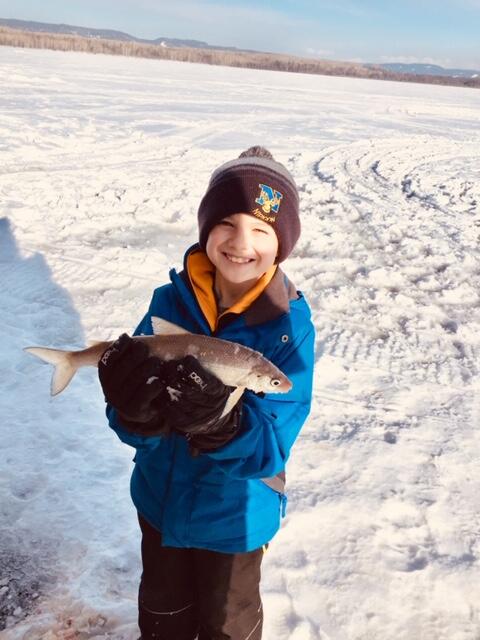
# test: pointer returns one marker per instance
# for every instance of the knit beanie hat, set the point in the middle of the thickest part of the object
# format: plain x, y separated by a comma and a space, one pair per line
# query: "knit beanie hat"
256, 184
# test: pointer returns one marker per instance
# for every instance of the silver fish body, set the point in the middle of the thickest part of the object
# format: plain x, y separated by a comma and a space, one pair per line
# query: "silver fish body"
234, 364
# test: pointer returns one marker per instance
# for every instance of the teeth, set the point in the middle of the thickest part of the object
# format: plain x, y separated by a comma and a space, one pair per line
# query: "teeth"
238, 260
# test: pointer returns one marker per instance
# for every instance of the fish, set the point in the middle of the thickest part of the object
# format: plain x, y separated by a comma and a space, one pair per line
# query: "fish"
234, 364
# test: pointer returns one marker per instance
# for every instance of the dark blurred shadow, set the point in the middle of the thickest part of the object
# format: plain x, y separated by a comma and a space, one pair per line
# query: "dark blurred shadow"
34, 310
33, 305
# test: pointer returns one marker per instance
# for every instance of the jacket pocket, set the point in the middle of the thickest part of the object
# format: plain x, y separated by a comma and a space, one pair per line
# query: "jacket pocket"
276, 484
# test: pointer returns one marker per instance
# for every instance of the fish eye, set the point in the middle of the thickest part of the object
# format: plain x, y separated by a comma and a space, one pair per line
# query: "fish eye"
275, 382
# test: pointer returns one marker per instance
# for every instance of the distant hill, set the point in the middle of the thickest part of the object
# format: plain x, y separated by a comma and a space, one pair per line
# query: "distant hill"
109, 34
64, 37
428, 69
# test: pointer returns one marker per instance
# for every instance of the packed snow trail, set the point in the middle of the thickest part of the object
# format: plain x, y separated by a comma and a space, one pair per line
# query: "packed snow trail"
103, 163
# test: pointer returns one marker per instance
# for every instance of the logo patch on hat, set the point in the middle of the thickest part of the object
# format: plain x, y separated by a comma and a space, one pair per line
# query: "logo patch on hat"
269, 199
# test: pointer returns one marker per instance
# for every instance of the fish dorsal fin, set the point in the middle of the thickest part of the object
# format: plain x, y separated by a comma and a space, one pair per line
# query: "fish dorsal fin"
166, 328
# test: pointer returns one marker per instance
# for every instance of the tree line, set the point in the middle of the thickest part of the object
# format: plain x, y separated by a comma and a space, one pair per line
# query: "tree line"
250, 60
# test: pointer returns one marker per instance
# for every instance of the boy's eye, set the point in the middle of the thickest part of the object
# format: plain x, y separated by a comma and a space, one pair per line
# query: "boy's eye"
226, 223
260, 230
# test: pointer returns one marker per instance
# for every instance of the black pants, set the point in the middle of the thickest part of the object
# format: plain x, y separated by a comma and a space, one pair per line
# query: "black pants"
185, 592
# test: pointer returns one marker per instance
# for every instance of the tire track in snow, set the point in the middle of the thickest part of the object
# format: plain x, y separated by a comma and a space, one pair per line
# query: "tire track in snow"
397, 355
405, 249
406, 364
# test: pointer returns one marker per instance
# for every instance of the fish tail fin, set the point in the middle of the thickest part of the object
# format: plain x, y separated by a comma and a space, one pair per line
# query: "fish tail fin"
65, 368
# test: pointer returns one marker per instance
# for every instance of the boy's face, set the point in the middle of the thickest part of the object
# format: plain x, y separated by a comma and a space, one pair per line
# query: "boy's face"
242, 247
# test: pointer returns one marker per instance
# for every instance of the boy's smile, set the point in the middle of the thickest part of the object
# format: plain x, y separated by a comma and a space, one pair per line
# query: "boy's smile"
242, 248
237, 259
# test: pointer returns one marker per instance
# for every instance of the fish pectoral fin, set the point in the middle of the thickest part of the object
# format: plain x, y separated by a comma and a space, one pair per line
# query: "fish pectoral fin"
164, 327
233, 398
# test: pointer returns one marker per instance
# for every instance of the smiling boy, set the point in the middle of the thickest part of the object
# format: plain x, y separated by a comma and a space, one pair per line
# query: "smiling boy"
241, 248
210, 488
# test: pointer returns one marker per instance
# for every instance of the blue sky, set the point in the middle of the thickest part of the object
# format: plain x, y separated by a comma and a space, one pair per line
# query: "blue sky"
445, 32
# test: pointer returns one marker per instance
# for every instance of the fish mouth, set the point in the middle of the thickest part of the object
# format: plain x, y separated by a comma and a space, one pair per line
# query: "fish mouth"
237, 259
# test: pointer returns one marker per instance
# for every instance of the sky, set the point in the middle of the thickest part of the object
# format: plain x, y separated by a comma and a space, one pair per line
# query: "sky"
444, 32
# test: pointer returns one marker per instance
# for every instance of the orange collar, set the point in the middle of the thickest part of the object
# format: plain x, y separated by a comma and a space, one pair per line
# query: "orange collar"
202, 278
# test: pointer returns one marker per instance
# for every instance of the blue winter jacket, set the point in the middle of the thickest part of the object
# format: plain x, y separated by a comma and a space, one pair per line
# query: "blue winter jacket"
218, 500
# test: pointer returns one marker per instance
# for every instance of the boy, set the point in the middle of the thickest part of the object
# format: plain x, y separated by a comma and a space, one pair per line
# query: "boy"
209, 488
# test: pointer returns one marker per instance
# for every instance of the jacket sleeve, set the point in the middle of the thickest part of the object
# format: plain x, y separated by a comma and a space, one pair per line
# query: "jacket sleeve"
270, 425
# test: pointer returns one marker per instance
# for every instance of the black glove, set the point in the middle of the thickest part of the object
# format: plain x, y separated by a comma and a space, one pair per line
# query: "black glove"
134, 384
226, 429
197, 400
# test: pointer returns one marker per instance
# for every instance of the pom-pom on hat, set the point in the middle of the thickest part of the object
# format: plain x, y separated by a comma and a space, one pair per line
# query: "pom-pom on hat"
256, 184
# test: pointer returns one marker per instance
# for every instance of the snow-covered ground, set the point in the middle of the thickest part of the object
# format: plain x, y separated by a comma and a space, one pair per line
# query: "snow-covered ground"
102, 164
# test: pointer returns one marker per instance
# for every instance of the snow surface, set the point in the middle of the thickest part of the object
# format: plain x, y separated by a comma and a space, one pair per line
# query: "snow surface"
102, 164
